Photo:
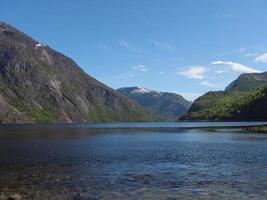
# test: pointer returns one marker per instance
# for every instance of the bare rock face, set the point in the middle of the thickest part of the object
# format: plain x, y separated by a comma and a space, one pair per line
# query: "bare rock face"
39, 84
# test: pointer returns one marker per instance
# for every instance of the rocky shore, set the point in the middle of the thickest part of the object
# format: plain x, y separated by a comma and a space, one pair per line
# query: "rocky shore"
256, 129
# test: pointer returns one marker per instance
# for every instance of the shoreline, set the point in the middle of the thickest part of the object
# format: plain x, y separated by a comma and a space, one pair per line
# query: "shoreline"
256, 129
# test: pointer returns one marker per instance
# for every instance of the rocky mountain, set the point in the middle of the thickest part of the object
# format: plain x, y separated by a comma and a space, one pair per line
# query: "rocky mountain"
163, 104
39, 84
243, 99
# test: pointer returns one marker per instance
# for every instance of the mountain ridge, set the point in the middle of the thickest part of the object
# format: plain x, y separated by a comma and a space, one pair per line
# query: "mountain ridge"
39, 84
247, 82
236, 102
163, 104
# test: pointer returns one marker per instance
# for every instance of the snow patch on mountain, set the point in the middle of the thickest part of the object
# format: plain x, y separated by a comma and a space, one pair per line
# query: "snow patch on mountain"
141, 90
40, 45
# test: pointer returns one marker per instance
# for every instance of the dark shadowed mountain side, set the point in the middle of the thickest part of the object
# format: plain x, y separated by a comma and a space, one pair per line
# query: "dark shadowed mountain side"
38, 84
244, 99
163, 104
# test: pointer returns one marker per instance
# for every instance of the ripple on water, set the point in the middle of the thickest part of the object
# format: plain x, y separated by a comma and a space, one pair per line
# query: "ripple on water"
143, 165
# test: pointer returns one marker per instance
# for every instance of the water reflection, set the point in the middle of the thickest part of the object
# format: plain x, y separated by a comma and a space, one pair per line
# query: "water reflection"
136, 163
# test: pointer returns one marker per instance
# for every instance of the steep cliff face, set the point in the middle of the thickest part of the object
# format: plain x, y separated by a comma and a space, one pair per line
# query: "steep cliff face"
163, 104
39, 84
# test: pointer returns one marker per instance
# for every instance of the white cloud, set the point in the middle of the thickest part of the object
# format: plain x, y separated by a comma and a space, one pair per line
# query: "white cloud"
141, 68
195, 72
262, 58
236, 67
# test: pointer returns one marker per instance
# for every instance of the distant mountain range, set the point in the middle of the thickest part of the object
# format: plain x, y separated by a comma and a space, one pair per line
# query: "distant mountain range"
243, 99
39, 84
162, 104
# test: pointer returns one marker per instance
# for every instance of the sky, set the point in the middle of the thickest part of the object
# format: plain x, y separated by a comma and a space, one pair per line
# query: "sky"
184, 46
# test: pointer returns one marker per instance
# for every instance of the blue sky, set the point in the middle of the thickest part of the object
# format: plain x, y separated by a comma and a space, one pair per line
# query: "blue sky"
184, 46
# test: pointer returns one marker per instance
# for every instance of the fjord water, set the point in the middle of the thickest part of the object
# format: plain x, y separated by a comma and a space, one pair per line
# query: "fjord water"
133, 161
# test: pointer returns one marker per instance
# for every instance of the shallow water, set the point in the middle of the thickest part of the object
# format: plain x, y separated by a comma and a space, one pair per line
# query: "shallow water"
133, 161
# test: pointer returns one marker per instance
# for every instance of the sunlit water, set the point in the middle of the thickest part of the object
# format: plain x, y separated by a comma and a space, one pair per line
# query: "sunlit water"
133, 161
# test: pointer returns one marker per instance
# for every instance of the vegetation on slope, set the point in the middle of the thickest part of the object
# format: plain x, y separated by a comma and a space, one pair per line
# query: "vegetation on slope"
244, 99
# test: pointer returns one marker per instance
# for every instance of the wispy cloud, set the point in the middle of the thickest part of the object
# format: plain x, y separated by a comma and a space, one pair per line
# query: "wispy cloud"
162, 45
250, 54
123, 43
126, 45
219, 71
236, 67
141, 68
241, 49
209, 84
194, 72
102, 46
126, 75
262, 58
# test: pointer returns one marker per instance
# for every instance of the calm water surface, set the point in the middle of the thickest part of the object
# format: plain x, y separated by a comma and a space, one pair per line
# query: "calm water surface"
133, 161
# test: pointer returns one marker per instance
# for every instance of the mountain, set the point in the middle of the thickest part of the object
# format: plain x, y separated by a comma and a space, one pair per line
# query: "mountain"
248, 82
163, 104
39, 84
243, 99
